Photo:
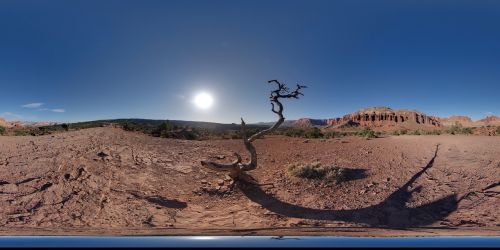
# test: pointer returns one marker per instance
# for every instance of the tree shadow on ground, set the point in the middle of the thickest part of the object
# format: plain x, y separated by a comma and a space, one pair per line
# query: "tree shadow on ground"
160, 201
392, 212
355, 174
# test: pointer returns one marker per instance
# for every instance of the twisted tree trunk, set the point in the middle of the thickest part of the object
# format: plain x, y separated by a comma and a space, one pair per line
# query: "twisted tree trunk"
236, 168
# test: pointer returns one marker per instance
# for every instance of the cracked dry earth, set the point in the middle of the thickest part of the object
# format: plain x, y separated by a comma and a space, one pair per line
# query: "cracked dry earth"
109, 179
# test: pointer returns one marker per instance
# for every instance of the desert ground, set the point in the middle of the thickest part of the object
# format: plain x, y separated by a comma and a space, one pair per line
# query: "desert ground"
109, 181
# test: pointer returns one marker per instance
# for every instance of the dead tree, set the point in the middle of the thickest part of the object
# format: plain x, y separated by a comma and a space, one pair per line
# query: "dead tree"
237, 167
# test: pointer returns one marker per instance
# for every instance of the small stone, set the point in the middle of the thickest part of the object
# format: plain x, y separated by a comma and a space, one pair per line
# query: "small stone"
220, 182
363, 191
103, 153
204, 181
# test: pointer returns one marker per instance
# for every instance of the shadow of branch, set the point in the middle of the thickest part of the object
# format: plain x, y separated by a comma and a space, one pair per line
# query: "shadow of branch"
392, 212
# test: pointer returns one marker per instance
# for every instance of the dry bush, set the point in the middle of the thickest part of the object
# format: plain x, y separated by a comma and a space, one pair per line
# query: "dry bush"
318, 172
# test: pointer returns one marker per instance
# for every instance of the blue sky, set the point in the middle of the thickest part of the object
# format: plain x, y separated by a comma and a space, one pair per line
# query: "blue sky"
85, 60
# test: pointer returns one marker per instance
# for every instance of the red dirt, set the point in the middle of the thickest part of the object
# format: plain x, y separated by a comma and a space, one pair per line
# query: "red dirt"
112, 181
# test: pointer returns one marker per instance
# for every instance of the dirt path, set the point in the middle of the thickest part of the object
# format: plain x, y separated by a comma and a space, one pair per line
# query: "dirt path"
108, 179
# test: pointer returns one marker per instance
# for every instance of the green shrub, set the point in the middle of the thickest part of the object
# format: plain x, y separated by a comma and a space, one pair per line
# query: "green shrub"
294, 132
467, 131
231, 134
458, 129
431, 132
332, 134
21, 133
401, 132
367, 132
416, 132
65, 126
435, 132
318, 172
127, 126
455, 129
2, 130
498, 130
313, 133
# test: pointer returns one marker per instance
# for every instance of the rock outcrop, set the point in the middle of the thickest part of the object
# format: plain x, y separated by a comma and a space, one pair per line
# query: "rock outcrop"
308, 122
3, 122
386, 117
456, 120
492, 120
466, 121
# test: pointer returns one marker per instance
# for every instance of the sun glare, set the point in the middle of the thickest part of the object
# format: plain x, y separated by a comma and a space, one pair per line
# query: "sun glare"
203, 101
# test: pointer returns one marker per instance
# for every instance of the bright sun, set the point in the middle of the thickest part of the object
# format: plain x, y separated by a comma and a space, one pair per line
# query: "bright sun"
203, 101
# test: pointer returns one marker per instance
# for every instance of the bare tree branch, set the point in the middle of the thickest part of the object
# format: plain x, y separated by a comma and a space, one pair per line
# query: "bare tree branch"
277, 107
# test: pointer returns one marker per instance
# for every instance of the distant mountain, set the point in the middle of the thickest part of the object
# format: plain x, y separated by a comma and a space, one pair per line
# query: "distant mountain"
3, 122
286, 123
467, 121
374, 117
385, 117
308, 122
489, 120
455, 120
10, 124
154, 123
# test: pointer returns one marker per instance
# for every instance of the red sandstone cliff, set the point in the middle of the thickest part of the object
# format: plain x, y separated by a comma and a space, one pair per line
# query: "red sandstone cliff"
489, 121
457, 120
386, 117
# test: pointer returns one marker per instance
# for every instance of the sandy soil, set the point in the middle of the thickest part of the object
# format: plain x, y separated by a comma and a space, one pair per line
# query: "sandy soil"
106, 180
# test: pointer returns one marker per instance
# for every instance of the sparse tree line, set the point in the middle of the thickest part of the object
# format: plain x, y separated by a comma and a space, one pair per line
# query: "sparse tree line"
169, 130
453, 130
316, 133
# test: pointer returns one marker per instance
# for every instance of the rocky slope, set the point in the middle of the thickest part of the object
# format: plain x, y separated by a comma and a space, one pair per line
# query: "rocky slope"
384, 117
455, 120
308, 122
3, 122
489, 120
17, 124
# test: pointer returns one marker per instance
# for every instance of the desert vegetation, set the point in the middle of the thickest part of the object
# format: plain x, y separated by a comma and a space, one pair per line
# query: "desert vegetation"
453, 130
367, 133
316, 171
457, 129
316, 133
194, 131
